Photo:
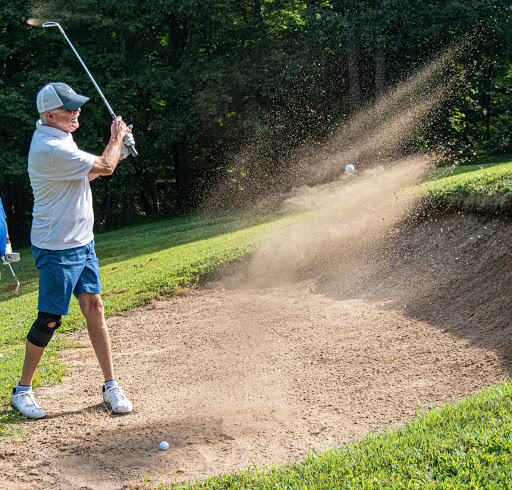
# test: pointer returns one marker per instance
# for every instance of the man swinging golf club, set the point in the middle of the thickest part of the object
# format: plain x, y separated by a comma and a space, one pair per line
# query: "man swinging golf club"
62, 236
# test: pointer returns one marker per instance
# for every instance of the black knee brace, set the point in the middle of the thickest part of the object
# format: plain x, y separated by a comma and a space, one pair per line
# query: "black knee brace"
40, 334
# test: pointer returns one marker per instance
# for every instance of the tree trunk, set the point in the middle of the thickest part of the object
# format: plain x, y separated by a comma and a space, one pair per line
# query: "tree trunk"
122, 50
177, 39
257, 13
353, 51
310, 10
380, 73
179, 153
486, 103
128, 207
178, 36
354, 75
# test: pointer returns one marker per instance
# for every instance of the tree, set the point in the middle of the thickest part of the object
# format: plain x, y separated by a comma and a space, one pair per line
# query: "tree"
224, 94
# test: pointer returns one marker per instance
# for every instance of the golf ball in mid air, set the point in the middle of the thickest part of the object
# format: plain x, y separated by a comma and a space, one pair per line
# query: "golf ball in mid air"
164, 445
349, 168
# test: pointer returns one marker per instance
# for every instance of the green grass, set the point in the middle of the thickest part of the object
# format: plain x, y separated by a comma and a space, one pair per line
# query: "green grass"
464, 445
442, 172
465, 185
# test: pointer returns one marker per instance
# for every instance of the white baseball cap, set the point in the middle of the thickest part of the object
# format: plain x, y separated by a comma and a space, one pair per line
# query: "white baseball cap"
58, 94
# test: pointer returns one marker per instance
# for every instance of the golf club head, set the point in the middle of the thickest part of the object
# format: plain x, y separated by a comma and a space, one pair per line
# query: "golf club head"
50, 24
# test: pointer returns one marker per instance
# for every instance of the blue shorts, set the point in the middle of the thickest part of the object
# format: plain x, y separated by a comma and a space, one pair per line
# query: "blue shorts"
63, 273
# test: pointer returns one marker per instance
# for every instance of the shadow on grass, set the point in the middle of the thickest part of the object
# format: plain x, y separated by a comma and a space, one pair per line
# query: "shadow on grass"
28, 286
498, 159
129, 243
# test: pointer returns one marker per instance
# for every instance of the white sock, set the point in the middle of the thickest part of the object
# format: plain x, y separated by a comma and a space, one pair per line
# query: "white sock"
109, 384
22, 389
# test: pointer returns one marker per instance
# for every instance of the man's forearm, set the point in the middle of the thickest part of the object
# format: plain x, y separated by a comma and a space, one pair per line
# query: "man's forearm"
107, 162
112, 151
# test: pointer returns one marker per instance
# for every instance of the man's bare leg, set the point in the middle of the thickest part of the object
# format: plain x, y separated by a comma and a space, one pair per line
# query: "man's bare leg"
92, 309
33, 355
22, 398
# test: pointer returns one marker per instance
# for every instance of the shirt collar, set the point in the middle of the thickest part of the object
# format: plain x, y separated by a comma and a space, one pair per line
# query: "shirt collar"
50, 130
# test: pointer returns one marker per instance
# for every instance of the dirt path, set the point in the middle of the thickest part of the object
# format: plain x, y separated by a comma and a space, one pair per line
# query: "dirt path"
235, 375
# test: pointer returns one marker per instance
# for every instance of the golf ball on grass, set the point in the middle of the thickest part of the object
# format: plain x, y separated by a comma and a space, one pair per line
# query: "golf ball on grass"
164, 445
349, 168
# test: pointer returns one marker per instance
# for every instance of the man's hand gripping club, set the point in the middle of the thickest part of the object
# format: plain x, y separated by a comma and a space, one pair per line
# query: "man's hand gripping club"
120, 140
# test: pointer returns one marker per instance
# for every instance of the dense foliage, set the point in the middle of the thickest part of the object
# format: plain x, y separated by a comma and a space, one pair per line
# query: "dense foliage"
221, 93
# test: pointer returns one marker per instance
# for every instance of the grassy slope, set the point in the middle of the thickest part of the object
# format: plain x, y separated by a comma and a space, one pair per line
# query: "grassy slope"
467, 184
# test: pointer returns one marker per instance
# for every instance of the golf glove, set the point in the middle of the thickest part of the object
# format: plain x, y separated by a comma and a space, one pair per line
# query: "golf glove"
128, 141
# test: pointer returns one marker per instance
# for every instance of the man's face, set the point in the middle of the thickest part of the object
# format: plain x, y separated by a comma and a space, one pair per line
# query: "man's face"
64, 120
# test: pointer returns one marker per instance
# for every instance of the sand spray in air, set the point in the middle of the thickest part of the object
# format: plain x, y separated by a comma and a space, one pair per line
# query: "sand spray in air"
346, 216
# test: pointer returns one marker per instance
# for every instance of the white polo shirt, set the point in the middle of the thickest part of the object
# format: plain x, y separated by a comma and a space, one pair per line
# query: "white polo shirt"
63, 216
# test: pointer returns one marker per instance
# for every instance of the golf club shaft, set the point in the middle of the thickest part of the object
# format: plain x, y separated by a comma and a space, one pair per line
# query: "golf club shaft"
17, 282
56, 24
112, 113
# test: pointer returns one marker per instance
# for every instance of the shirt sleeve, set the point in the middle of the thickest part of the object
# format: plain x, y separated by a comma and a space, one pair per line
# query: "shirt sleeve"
2, 212
71, 164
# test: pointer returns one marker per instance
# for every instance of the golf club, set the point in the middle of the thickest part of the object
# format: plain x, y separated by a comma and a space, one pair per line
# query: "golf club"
12, 257
56, 24
17, 282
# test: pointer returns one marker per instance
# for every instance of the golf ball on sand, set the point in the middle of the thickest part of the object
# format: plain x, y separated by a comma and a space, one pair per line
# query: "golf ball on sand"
349, 168
164, 445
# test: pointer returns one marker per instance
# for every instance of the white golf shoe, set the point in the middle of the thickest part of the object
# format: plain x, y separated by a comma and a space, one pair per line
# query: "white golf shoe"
26, 404
117, 399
